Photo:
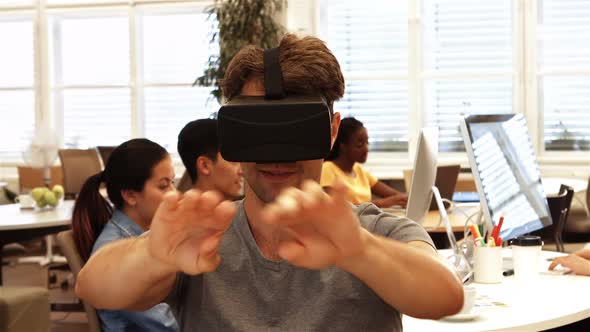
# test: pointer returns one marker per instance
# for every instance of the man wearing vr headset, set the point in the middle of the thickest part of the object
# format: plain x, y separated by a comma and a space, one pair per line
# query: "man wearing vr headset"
289, 256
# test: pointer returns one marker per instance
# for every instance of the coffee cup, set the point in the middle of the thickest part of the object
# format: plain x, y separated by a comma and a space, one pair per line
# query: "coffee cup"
469, 295
526, 252
25, 201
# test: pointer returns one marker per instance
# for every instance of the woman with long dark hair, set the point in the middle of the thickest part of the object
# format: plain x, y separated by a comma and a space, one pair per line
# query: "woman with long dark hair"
137, 175
343, 163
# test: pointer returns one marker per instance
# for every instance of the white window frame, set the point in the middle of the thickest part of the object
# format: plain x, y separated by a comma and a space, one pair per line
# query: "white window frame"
40, 12
526, 96
534, 100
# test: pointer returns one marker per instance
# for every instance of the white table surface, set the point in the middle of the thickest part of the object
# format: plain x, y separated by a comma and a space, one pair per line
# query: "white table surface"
551, 301
12, 217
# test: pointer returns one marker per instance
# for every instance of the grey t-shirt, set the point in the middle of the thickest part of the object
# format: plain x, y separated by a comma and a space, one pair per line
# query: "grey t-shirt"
248, 292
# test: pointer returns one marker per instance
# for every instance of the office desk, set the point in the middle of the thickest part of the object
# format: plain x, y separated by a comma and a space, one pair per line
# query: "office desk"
17, 224
551, 301
432, 222
457, 217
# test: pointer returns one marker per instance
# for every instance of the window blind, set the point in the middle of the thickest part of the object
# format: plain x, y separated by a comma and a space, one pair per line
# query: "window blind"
94, 50
448, 100
168, 109
95, 117
91, 79
566, 104
370, 41
170, 65
465, 39
17, 97
16, 3
564, 49
82, 2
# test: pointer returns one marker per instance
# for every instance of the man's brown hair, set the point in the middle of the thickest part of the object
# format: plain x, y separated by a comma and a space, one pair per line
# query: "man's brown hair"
308, 67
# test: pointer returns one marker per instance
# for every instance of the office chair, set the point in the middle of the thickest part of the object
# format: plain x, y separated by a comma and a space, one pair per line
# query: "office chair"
29, 178
65, 240
77, 165
559, 207
577, 228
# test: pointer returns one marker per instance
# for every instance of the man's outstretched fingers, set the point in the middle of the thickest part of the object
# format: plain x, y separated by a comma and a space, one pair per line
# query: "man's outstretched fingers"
313, 193
210, 244
209, 262
170, 201
339, 190
223, 213
291, 251
209, 200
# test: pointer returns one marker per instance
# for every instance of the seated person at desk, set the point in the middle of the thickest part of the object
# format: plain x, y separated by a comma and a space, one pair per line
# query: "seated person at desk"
198, 147
289, 257
578, 262
137, 175
343, 163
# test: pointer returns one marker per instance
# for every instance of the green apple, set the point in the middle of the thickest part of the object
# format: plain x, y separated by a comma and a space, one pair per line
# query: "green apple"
41, 202
38, 192
50, 198
58, 191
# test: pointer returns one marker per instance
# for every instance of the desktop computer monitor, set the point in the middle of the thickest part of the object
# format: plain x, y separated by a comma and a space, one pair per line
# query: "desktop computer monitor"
506, 174
424, 175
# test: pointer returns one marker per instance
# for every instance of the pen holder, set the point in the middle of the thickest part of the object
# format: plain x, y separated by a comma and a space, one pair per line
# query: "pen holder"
487, 265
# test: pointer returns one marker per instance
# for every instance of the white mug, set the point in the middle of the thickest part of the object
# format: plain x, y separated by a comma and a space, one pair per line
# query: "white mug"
469, 295
26, 201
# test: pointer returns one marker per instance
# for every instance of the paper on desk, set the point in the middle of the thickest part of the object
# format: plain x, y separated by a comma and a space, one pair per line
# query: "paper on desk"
484, 302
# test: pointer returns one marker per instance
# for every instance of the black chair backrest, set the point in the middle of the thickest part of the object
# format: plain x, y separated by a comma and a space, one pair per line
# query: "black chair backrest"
559, 207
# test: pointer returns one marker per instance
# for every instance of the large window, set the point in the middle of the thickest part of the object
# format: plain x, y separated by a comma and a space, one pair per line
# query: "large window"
371, 44
17, 84
467, 63
91, 78
409, 64
564, 73
102, 71
169, 66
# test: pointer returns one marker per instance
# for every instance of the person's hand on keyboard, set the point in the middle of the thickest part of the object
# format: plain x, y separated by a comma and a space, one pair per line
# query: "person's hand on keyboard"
578, 262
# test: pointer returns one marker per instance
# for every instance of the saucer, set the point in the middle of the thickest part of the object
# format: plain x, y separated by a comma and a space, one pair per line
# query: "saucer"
463, 317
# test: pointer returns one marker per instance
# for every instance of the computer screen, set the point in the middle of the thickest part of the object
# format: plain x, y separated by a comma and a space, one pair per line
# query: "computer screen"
424, 175
506, 174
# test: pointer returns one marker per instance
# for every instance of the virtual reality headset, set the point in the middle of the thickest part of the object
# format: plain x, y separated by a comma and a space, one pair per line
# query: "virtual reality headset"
276, 127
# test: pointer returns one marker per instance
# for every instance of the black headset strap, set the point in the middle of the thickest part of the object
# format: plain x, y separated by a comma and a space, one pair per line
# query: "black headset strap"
273, 76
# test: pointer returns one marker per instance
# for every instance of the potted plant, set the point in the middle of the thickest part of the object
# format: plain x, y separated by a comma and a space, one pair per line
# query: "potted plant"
239, 23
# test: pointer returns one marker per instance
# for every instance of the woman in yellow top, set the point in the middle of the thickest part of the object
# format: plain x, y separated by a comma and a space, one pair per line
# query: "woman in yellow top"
350, 150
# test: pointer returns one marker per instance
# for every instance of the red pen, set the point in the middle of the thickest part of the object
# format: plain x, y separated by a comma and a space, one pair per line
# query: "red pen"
496, 231
498, 241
